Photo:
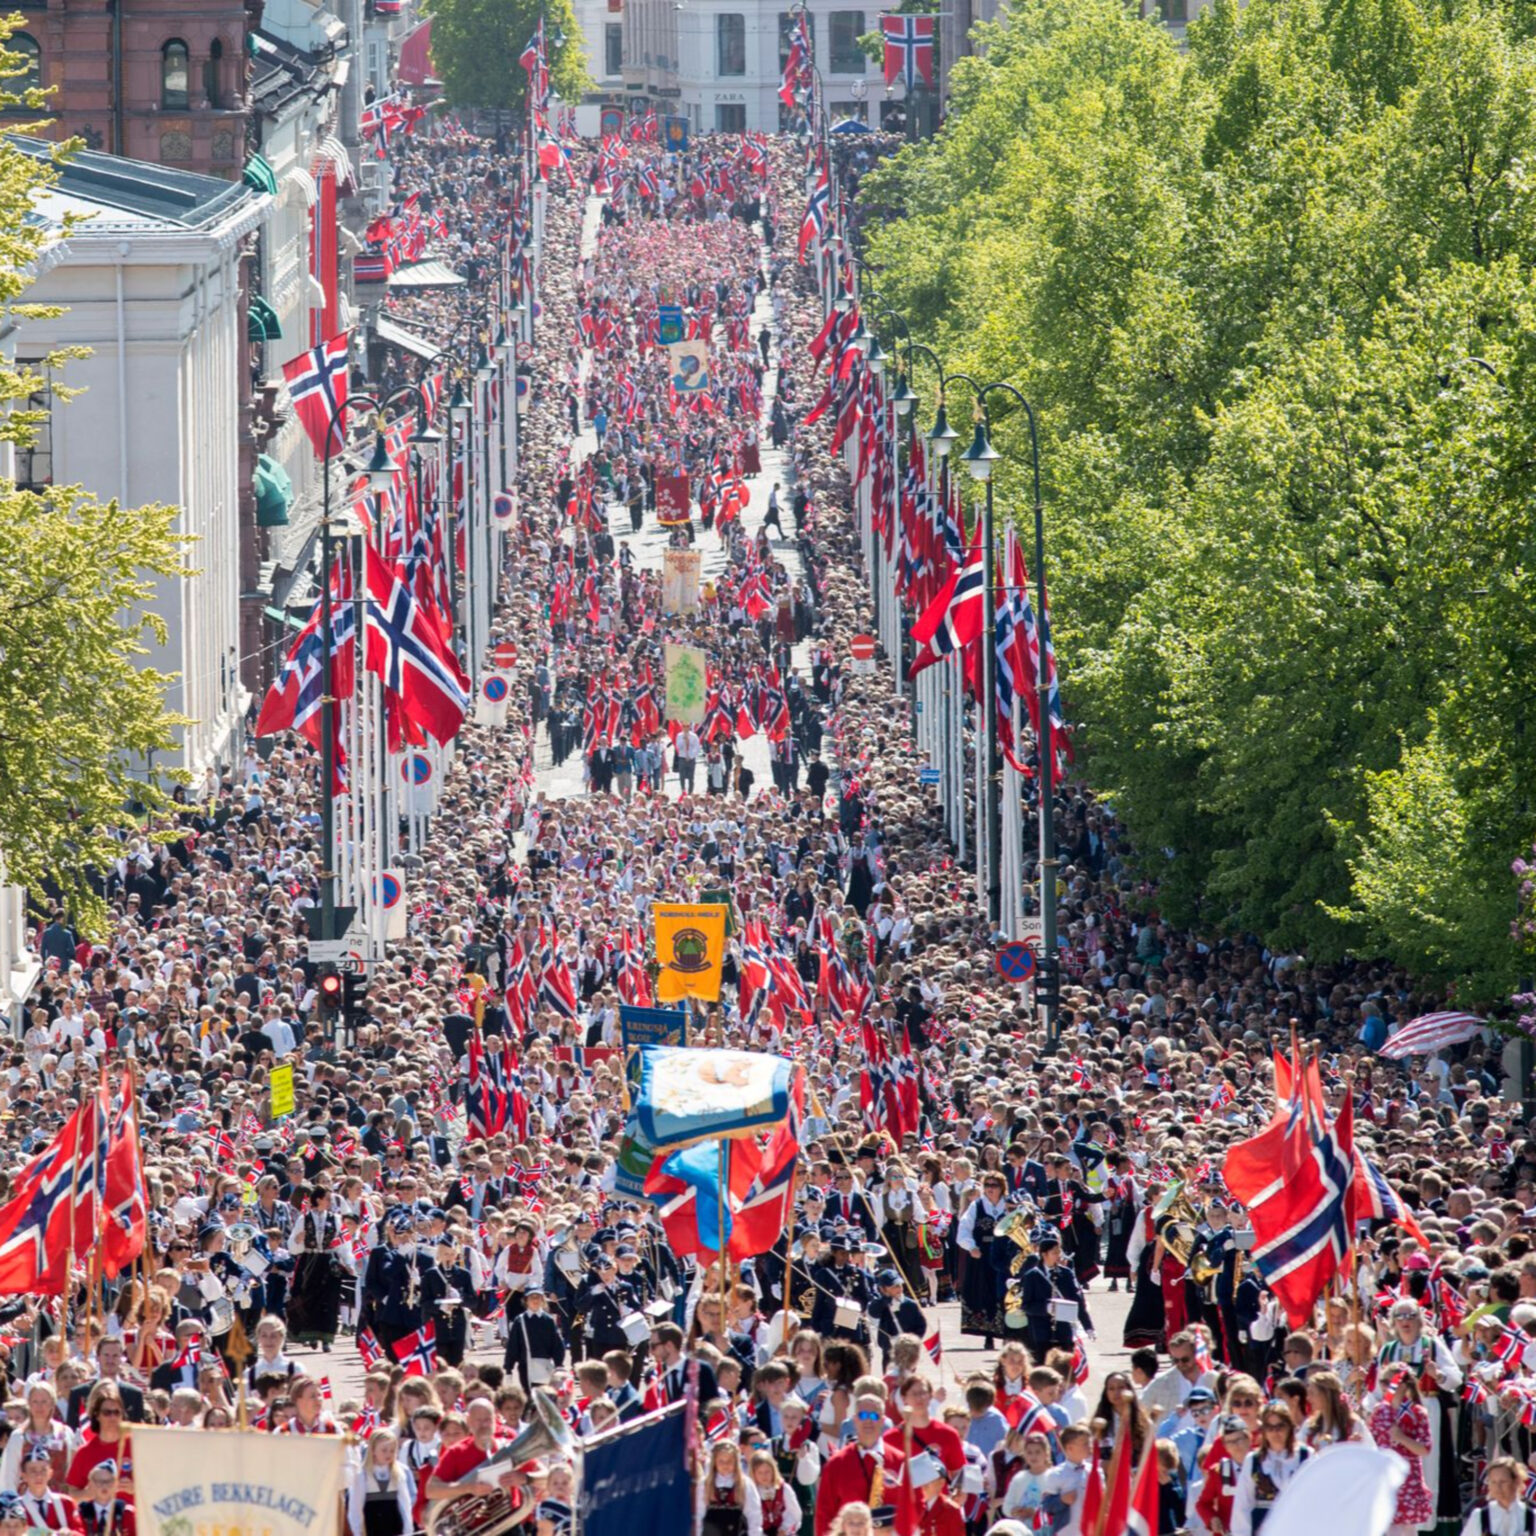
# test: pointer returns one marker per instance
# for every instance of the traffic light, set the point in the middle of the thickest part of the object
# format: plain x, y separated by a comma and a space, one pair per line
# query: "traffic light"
1048, 983
329, 988
354, 1000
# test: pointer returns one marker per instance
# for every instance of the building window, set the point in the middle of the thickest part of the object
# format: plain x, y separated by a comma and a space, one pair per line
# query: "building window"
1173, 11
613, 48
34, 465
730, 117
730, 43
211, 71
174, 76
787, 21
843, 31
24, 46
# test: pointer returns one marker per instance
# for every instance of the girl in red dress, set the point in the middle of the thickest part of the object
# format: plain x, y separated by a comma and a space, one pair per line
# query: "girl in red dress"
1401, 1425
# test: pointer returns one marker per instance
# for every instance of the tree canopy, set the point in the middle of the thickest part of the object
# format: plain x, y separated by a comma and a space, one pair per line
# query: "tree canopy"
80, 715
1273, 299
477, 46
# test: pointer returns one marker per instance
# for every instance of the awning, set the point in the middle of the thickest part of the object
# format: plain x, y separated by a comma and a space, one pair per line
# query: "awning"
261, 322
274, 493
332, 151
301, 186
258, 175
407, 341
425, 274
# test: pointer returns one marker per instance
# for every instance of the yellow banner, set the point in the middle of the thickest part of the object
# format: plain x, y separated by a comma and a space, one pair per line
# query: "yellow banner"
690, 947
282, 1091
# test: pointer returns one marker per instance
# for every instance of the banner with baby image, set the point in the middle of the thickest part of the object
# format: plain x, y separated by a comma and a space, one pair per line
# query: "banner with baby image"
686, 1095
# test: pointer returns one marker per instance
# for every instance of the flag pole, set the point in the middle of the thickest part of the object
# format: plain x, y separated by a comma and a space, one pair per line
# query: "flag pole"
791, 1317
725, 1262
69, 1254
1122, 1435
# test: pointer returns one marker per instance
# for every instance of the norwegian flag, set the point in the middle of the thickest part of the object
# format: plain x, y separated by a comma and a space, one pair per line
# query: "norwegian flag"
557, 988
1475, 1391
814, 225
366, 1422
1511, 1346
1079, 1370
417, 1352
535, 61
222, 1146
485, 1103
191, 1354
369, 1348
935, 1347
1202, 1347
126, 1228
952, 621
405, 648
908, 49
317, 385
1372, 1198
62, 1188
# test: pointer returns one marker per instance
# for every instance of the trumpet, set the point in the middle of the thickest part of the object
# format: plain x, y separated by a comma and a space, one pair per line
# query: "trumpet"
1175, 1220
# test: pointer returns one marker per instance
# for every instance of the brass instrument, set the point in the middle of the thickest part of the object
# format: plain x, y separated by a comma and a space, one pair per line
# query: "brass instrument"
1175, 1220
1015, 1227
491, 1514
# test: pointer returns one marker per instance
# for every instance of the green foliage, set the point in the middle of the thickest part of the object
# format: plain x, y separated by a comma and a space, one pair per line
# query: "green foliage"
477, 45
79, 715
1273, 299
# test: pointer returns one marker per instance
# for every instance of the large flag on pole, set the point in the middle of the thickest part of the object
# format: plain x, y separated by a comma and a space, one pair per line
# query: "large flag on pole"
908, 49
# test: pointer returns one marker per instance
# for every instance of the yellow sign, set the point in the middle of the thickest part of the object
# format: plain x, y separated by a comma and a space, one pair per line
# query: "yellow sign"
282, 1091
690, 946
686, 669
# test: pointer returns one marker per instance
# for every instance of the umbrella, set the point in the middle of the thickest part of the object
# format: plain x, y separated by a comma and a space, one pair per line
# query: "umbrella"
1431, 1032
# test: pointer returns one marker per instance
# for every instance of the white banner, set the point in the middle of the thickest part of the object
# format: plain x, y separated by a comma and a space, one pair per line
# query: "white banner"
238, 1485
680, 570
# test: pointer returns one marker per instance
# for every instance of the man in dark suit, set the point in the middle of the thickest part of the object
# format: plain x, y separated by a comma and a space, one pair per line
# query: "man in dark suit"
851, 1206
109, 1361
534, 1334
673, 1366
1026, 1176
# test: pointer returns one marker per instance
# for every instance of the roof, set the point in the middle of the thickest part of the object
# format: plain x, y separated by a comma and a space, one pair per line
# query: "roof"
406, 340
280, 70
140, 194
425, 274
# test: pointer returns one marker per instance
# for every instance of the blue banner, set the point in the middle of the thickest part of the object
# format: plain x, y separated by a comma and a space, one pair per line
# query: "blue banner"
674, 134
653, 1026
637, 1483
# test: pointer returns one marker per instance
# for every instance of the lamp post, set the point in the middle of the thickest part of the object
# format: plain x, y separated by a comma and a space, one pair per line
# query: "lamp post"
381, 473
979, 459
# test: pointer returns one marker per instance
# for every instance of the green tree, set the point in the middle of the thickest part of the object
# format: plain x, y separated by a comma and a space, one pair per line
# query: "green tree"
477, 46
80, 716
1273, 298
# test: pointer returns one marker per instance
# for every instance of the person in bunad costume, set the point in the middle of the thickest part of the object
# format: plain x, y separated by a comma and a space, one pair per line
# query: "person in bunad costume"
1440, 1381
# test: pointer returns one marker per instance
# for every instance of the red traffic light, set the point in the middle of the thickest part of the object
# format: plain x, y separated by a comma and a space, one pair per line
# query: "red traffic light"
330, 987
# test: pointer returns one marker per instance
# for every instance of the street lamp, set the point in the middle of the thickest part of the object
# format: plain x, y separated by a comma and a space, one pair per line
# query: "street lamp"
978, 459
941, 436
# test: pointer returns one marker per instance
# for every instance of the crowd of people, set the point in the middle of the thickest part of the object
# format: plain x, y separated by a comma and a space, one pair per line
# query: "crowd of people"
1039, 1180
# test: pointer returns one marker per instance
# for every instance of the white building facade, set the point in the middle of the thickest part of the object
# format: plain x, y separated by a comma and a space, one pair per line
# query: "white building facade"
720, 63
151, 284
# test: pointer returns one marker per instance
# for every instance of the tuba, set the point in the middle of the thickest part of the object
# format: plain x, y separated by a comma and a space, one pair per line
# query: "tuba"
491, 1514
1015, 1227
1176, 1221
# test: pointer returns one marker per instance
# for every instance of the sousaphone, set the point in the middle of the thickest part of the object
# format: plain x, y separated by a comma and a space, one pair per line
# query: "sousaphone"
490, 1514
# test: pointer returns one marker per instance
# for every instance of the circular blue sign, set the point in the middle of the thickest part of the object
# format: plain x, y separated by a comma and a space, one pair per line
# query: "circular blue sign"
1015, 962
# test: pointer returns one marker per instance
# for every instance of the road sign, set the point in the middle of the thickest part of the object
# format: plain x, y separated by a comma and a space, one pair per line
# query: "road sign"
350, 965
928, 775
1015, 961
862, 648
495, 688
504, 508
328, 951
505, 655
525, 351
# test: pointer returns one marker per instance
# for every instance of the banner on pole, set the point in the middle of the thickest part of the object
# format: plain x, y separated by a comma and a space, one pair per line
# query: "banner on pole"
652, 1026
278, 1485
688, 366
686, 668
690, 948
672, 497
680, 571
636, 1482
281, 1079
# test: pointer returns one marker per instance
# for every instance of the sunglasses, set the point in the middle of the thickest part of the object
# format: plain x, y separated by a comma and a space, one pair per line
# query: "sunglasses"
866, 1417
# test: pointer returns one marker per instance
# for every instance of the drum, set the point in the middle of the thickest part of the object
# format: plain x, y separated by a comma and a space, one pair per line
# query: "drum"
636, 1328
1064, 1312
847, 1314
221, 1316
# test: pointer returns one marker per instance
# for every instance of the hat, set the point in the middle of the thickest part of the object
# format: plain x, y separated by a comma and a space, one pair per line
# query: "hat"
1199, 1396
1232, 1424
1008, 1528
37, 1453
208, 1228
925, 1468
887, 1277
